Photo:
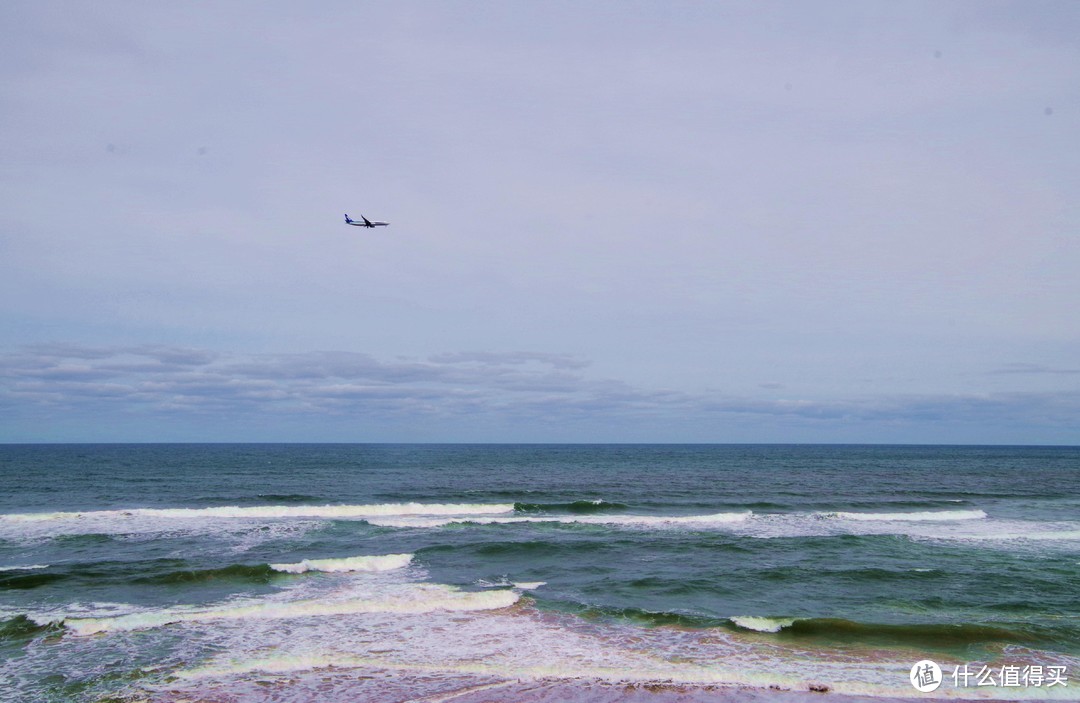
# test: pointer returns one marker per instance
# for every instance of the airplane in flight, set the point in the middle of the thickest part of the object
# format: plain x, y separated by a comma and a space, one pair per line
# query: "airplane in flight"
366, 222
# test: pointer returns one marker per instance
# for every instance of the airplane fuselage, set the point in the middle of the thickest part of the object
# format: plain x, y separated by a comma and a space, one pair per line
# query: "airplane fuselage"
365, 222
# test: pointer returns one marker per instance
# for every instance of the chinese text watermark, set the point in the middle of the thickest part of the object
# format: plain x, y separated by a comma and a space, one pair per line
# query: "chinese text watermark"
927, 676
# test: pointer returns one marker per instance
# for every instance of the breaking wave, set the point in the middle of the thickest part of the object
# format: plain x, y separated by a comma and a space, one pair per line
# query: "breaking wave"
630, 521
270, 511
372, 563
578, 507
20, 627
929, 515
916, 634
759, 624
421, 598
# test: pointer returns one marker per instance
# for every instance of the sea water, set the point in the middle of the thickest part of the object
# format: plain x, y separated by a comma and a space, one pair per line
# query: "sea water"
440, 572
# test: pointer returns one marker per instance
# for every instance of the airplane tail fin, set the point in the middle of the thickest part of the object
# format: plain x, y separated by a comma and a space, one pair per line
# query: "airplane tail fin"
347, 220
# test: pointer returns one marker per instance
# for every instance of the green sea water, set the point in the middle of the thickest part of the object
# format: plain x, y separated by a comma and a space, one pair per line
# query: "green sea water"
152, 569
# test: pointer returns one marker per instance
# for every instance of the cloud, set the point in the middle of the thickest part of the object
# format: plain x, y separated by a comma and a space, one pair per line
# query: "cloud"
561, 361
844, 218
166, 378
1025, 368
536, 395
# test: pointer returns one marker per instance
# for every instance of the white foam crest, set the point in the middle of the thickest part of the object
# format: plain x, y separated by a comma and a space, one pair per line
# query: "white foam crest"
933, 526
538, 658
1019, 535
273, 511
760, 624
29, 567
635, 521
675, 520
423, 598
507, 583
59, 613
529, 585
386, 562
930, 515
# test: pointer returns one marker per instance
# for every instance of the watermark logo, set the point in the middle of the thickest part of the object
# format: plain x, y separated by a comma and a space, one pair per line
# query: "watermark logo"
926, 676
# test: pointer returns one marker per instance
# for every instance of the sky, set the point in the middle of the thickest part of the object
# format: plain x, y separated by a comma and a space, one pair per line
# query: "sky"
610, 221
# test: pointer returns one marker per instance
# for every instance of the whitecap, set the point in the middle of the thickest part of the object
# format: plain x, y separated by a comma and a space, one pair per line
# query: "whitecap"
529, 585
1040, 535
632, 521
761, 624
424, 598
272, 511
930, 515
386, 562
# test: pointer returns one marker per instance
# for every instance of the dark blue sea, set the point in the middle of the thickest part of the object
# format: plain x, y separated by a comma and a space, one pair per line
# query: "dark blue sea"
535, 572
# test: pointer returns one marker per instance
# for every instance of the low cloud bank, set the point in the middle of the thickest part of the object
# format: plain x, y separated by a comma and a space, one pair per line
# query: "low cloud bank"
516, 388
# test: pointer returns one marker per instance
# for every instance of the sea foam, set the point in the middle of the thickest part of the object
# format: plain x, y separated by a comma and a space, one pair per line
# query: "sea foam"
422, 598
760, 624
387, 562
631, 521
915, 517
272, 511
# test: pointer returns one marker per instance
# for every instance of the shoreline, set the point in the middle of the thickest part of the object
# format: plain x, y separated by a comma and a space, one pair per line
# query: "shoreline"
330, 686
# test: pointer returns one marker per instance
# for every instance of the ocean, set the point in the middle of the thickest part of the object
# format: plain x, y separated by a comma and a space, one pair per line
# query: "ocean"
471, 573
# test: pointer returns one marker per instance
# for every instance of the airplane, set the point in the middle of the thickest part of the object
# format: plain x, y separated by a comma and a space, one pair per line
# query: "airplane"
366, 222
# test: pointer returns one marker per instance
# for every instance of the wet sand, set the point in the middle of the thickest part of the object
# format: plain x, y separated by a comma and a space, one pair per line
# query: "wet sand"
390, 687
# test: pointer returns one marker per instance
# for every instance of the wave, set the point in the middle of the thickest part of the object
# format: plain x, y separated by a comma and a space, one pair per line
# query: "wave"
759, 624
916, 634
366, 563
25, 580
1021, 536
270, 511
638, 616
257, 573
577, 507
929, 515
833, 630
21, 627
529, 585
950, 525
506, 583
271, 520
422, 598
630, 521
239, 573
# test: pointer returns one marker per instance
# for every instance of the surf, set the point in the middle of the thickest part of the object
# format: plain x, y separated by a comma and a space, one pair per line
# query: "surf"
921, 516
265, 511
627, 521
388, 562
417, 599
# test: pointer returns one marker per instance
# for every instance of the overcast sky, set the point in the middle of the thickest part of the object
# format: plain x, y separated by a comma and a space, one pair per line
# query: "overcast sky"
610, 221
